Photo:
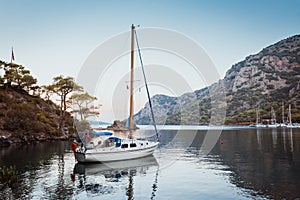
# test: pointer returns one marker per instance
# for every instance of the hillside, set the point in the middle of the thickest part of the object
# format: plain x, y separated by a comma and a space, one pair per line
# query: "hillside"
26, 118
264, 80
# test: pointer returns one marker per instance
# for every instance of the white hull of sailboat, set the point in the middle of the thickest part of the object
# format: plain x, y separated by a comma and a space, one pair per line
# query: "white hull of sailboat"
273, 126
292, 126
282, 125
115, 154
260, 126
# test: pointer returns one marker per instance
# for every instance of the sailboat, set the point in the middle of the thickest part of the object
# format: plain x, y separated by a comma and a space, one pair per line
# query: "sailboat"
258, 124
115, 148
273, 123
290, 124
282, 124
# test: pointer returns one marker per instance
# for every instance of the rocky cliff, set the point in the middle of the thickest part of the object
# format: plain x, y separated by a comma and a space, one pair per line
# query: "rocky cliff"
264, 80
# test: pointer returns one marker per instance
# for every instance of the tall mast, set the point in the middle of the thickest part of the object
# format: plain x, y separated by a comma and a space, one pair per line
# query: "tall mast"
283, 112
290, 114
131, 82
257, 116
273, 116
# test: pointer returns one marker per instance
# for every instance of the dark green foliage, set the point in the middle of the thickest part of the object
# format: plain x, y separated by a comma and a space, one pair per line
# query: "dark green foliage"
20, 117
297, 69
298, 58
10, 183
9, 177
272, 77
174, 119
279, 94
270, 87
257, 74
16, 76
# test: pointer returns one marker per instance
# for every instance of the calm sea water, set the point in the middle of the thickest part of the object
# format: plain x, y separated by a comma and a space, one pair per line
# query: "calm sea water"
243, 164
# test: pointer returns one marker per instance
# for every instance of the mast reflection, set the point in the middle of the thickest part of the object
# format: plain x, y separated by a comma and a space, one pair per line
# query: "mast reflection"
106, 178
274, 137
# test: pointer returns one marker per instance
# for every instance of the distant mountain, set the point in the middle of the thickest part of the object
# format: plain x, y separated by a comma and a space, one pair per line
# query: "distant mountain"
264, 80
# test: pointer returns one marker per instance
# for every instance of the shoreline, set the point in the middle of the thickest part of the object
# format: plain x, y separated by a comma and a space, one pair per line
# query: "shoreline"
7, 140
33, 139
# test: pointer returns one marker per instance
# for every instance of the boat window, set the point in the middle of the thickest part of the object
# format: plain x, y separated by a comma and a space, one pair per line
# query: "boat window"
133, 145
108, 143
124, 146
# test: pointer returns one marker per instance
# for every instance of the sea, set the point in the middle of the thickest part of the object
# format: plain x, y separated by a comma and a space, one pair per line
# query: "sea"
191, 162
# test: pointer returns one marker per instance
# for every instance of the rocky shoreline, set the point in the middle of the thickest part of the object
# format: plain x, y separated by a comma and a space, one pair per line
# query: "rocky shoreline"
121, 126
7, 140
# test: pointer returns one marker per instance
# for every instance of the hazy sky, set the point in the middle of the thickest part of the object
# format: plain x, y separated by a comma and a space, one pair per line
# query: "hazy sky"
55, 37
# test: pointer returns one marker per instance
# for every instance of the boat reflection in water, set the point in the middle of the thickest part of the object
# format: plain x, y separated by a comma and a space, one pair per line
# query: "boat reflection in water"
113, 177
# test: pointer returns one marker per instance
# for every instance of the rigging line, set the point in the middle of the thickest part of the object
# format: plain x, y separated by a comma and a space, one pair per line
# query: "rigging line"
145, 80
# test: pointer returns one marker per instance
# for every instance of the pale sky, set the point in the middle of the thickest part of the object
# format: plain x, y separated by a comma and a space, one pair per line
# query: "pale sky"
56, 37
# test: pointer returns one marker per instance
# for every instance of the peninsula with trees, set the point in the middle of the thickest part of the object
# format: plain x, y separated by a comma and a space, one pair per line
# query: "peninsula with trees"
27, 113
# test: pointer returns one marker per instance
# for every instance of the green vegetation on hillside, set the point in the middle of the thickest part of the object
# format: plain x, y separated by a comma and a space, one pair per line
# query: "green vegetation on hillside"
26, 116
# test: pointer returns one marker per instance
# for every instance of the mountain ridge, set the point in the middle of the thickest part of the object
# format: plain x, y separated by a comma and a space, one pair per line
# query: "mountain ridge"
263, 80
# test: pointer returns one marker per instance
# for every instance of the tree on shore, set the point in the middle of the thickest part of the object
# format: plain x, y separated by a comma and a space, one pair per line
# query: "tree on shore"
83, 105
63, 86
17, 77
47, 91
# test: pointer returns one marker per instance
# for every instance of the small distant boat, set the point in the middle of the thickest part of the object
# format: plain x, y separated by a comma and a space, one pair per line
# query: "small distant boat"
115, 148
258, 124
282, 124
290, 124
273, 123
